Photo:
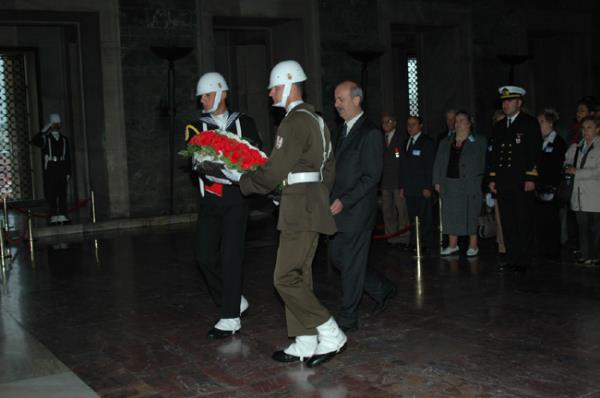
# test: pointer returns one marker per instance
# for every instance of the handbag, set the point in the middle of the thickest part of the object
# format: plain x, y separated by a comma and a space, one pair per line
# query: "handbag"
486, 223
565, 189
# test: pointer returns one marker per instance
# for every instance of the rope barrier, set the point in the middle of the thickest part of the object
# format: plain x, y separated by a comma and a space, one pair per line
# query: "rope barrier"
391, 235
81, 203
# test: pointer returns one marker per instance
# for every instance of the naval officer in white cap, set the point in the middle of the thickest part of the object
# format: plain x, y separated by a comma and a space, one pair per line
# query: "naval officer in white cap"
516, 143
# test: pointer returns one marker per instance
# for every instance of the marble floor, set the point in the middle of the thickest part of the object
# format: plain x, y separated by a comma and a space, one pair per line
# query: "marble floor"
126, 315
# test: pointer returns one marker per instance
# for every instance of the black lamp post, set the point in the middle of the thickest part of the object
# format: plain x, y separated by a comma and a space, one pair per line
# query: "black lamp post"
365, 56
171, 54
512, 60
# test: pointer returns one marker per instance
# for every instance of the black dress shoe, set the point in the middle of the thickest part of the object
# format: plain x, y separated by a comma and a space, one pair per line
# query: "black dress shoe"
319, 359
380, 306
281, 356
215, 333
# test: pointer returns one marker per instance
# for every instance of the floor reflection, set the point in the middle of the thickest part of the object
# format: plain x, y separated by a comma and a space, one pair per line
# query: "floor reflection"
128, 313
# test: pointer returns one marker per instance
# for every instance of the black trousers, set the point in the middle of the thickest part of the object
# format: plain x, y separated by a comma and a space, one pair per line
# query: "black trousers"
547, 228
349, 253
589, 234
55, 187
422, 207
516, 214
219, 252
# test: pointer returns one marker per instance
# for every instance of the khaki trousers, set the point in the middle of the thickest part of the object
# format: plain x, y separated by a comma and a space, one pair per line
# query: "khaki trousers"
293, 280
395, 215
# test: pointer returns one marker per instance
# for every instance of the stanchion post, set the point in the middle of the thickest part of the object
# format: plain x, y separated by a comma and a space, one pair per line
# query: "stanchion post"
93, 199
5, 212
30, 235
3, 264
441, 228
418, 237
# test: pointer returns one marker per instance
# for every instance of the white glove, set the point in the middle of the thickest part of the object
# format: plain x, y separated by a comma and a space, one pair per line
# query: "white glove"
233, 175
46, 127
489, 201
219, 180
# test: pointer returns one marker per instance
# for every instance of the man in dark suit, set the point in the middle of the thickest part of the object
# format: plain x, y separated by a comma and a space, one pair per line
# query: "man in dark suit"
417, 155
222, 210
513, 174
358, 151
450, 120
393, 206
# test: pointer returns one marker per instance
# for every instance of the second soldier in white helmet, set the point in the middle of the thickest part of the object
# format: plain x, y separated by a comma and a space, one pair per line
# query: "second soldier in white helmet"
302, 159
222, 211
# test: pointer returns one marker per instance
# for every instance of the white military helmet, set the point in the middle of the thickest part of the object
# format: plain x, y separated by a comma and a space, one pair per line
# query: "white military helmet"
54, 118
212, 82
209, 82
285, 73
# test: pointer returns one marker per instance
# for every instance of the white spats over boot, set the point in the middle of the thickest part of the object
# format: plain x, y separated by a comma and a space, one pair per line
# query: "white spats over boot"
243, 305
225, 327
332, 340
301, 349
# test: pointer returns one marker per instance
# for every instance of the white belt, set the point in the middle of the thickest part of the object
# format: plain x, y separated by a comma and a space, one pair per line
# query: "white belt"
300, 178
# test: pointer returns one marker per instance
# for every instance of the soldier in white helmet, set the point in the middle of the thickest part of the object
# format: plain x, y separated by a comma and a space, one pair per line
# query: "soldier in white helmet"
222, 211
56, 163
302, 159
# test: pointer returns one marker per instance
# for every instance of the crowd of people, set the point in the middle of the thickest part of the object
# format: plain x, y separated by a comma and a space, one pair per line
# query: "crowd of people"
521, 168
330, 183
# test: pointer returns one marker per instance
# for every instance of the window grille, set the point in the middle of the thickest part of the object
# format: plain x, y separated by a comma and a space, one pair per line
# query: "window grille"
413, 87
15, 152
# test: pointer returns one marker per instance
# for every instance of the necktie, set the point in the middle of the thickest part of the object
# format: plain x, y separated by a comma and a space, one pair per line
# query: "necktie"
410, 144
345, 130
508, 122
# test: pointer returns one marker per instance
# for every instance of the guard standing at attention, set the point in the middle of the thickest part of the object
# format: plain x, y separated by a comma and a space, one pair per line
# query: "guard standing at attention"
513, 173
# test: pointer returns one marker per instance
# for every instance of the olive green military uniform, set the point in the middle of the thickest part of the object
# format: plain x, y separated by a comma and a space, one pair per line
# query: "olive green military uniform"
303, 214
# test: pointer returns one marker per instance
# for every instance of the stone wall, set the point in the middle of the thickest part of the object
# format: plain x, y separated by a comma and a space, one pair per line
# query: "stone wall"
164, 23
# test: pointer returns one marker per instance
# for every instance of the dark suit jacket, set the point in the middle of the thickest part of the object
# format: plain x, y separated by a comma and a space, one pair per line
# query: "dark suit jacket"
359, 163
391, 162
416, 167
551, 164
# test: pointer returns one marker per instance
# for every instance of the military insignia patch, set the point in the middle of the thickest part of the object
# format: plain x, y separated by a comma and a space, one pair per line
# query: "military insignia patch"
279, 142
518, 139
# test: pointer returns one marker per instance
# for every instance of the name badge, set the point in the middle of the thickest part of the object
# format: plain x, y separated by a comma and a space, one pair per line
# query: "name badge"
416, 152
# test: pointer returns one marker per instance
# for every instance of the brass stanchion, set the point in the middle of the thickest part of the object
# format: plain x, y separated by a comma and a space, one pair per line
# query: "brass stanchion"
441, 228
3, 265
418, 237
30, 234
96, 246
93, 199
5, 208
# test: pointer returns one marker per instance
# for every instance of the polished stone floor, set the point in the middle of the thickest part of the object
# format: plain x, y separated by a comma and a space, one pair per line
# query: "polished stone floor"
127, 316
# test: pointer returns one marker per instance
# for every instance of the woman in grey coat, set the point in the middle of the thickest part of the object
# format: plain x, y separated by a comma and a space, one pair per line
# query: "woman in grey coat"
457, 175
